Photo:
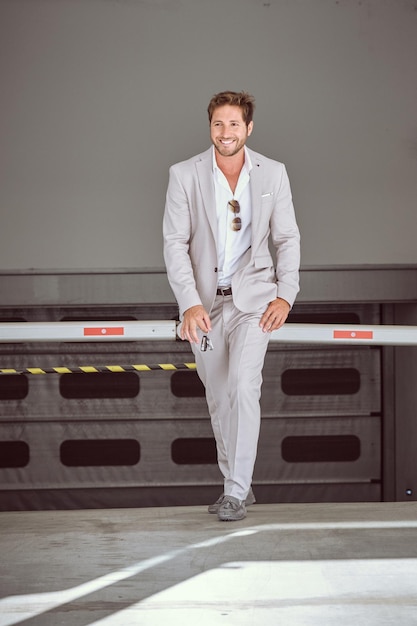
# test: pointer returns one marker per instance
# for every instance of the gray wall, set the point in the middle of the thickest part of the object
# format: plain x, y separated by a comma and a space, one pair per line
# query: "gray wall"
99, 97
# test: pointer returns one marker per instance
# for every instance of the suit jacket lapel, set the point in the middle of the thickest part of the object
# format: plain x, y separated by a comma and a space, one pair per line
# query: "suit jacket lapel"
205, 178
256, 177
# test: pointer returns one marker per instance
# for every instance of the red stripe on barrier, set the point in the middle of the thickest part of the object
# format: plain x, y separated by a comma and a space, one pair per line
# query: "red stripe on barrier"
106, 330
353, 334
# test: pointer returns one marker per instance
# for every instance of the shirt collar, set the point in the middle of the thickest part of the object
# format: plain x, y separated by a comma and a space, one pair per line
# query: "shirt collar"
247, 165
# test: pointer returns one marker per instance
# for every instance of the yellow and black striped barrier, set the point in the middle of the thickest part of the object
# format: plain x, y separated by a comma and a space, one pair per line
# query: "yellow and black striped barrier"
97, 369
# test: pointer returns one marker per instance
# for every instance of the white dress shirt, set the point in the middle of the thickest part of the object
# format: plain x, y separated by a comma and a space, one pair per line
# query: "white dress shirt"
232, 244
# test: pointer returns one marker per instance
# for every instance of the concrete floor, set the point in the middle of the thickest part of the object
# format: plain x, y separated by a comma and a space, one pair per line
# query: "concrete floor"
289, 564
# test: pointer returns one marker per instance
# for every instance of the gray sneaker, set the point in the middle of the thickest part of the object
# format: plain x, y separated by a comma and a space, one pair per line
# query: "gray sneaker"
231, 509
214, 508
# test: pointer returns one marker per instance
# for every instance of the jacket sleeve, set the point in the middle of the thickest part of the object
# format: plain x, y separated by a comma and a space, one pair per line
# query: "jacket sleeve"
286, 240
177, 233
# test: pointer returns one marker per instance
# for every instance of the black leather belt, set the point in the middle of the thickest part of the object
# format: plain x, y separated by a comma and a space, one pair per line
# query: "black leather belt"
224, 291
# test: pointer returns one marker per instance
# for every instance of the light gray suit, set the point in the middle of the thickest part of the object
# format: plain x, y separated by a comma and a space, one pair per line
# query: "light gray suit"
232, 372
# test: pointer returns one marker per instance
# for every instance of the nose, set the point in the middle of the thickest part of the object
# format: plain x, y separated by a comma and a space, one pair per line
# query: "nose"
226, 131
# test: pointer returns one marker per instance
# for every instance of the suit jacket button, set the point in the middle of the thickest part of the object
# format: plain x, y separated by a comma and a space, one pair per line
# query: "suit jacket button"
215, 269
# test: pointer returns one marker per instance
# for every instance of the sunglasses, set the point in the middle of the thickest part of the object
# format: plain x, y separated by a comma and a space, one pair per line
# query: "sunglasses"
234, 206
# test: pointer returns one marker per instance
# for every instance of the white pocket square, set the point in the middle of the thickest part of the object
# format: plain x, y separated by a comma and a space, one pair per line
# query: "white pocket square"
265, 195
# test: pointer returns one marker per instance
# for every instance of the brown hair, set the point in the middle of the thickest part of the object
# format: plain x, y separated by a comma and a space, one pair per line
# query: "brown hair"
240, 99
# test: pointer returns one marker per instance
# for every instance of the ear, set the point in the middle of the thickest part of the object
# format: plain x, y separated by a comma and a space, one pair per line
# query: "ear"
250, 128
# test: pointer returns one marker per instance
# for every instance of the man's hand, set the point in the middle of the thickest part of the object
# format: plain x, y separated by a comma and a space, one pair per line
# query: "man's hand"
275, 315
195, 317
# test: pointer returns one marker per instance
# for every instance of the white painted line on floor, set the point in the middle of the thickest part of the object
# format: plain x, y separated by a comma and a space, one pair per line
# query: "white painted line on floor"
14, 609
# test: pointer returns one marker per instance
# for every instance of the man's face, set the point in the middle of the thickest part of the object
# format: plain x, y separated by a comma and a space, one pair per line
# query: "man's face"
228, 130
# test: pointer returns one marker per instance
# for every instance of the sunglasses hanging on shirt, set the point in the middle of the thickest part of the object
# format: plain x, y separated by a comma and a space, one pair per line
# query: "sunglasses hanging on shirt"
234, 206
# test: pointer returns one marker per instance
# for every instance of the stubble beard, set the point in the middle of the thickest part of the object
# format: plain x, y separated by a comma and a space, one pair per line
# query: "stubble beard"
224, 150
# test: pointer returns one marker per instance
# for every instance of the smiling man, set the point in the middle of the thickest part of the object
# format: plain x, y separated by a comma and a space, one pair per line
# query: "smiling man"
222, 208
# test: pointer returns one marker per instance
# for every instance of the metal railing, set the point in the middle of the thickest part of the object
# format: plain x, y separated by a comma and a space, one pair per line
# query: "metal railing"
28, 332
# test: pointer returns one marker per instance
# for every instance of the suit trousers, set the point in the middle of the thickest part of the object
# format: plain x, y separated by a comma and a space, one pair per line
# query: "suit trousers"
232, 376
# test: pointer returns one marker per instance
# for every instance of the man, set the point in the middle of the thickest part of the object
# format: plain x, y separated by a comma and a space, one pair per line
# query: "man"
222, 207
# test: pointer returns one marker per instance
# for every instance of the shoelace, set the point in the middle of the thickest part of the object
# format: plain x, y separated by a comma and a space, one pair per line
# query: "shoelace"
231, 505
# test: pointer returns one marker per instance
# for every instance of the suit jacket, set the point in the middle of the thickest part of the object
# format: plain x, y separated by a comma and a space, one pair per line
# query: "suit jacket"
190, 236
